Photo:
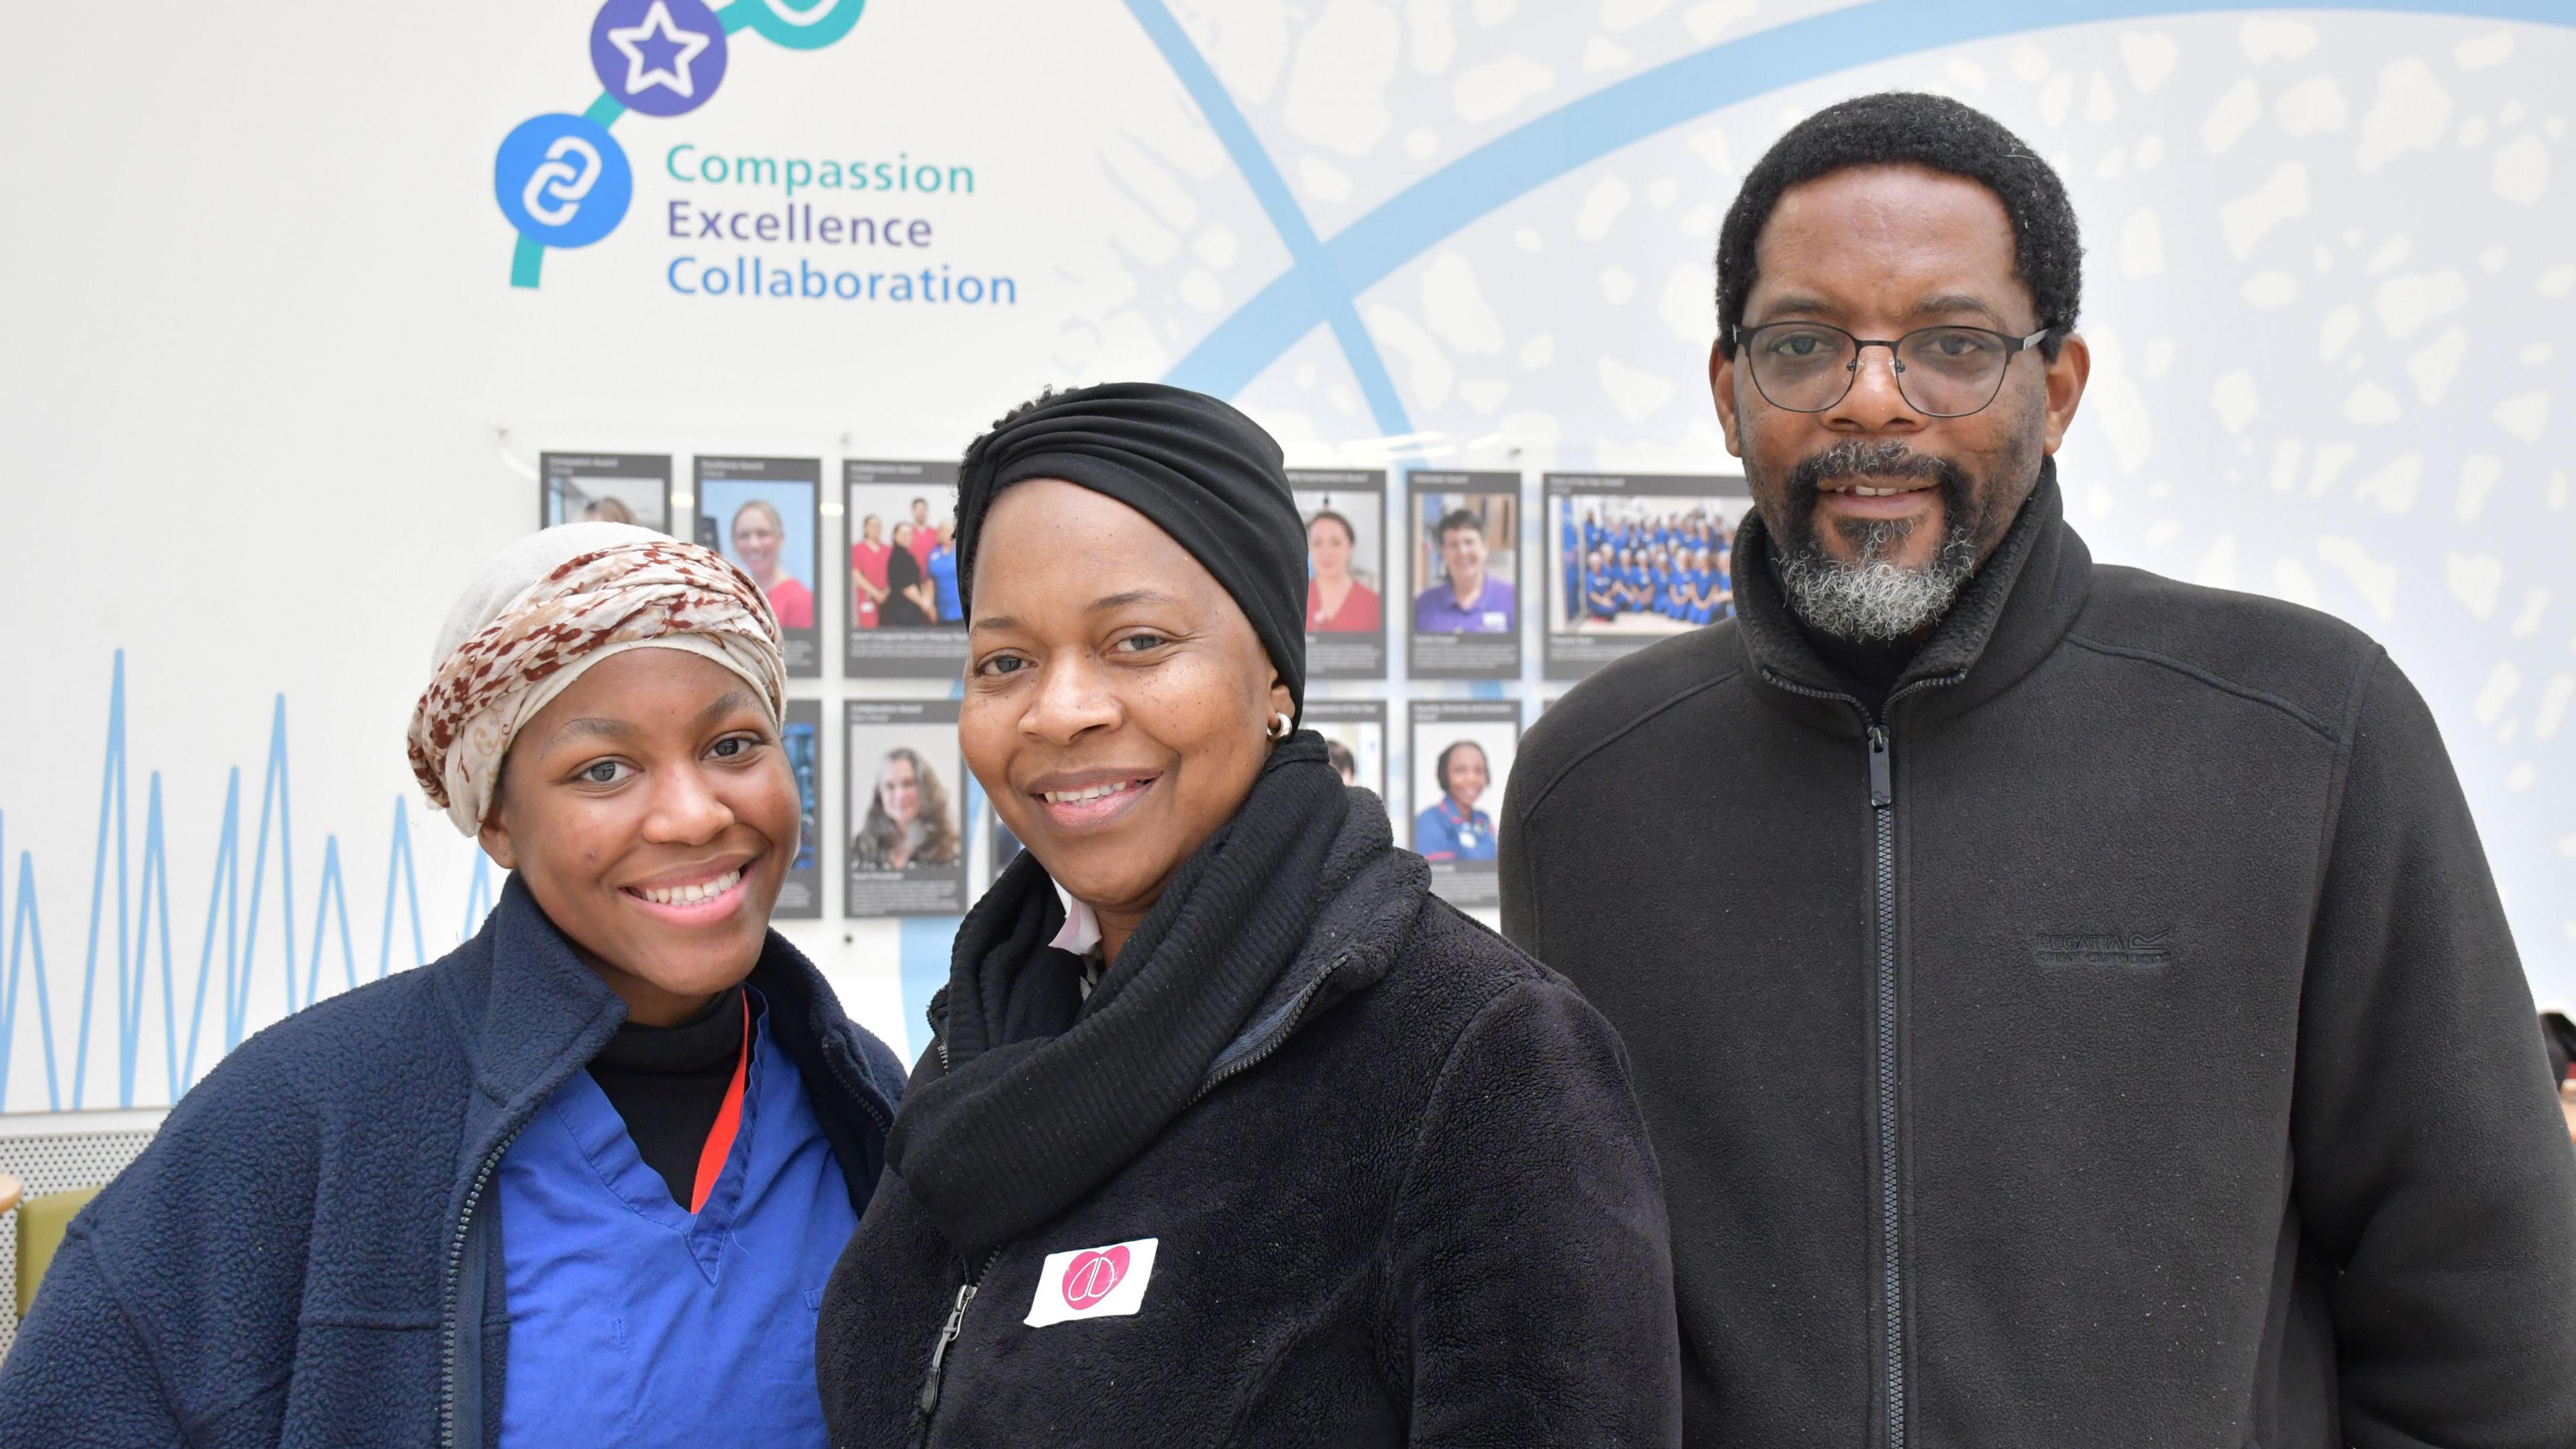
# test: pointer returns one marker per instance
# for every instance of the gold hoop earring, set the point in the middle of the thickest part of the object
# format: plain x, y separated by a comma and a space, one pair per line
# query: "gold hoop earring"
1281, 726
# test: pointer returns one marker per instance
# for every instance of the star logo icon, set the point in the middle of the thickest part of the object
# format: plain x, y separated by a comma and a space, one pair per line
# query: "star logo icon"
658, 52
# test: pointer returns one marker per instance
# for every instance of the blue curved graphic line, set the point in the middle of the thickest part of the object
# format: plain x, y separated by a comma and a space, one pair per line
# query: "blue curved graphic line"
1322, 295
1322, 283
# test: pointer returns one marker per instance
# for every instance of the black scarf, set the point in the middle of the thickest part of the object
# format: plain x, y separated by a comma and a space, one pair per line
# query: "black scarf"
1045, 1095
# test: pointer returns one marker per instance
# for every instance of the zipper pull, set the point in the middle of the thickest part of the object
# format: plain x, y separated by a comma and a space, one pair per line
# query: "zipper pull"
939, 1354
1882, 779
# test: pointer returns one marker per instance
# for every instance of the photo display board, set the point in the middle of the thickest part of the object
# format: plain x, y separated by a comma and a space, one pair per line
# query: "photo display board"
906, 616
604, 488
1001, 847
1464, 530
1633, 558
1462, 752
1354, 732
762, 514
800, 734
1344, 511
907, 794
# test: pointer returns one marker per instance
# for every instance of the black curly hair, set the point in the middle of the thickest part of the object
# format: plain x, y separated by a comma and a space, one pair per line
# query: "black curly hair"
1910, 128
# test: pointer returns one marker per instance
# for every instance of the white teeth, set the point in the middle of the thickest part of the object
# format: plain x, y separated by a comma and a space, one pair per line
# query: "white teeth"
1095, 792
690, 895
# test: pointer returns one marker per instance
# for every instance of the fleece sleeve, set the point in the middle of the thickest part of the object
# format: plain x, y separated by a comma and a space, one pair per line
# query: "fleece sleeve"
1530, 1272
2432, 1167
78, 1375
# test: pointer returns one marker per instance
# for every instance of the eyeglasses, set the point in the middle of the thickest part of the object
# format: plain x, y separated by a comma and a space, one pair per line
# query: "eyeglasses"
1944, 372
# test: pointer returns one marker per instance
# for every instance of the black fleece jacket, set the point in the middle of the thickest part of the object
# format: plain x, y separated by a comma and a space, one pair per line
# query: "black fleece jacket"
2117, 1042
1415, 1206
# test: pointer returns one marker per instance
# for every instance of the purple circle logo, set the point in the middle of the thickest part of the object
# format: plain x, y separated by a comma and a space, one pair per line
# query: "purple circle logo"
661, 57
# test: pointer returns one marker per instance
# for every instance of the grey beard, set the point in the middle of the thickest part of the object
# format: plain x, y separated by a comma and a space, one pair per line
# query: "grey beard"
1869, 598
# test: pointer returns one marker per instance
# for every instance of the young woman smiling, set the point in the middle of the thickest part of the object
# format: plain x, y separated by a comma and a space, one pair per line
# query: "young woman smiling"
579, 1182
1231, 1134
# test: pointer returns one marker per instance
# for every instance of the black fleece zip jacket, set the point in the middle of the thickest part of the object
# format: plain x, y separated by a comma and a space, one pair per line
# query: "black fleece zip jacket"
1414, 1205
2115, 1042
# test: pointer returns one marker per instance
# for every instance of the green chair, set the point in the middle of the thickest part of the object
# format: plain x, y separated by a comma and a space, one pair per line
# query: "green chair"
41, 1222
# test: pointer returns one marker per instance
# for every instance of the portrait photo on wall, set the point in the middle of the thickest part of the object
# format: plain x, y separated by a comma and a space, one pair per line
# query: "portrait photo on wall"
604, 488
1462, 753
907, 618
761, 514
1465, 610
1346, 613
1000, 846
906, 815
800, 736
1632, 558
1354, 732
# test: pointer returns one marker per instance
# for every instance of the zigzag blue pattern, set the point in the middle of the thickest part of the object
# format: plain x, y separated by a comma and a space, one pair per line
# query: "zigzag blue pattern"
142, 902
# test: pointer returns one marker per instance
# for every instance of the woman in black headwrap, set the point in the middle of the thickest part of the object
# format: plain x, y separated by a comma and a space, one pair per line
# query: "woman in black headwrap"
1231, 1132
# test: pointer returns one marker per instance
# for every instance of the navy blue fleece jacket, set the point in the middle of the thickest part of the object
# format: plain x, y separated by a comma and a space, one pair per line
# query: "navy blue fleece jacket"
309, 1253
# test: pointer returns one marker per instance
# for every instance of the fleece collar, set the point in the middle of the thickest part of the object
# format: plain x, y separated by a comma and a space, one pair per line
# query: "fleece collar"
2020, 604
530, 1014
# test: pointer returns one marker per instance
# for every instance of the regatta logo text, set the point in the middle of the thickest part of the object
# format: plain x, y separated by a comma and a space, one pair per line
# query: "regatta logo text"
1103, 1282
2135, 949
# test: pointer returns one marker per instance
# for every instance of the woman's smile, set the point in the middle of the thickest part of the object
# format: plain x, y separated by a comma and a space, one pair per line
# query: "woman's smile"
1091, 801
697, 896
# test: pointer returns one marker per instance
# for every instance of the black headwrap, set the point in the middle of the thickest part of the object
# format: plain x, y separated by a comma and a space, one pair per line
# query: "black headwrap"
1203, 472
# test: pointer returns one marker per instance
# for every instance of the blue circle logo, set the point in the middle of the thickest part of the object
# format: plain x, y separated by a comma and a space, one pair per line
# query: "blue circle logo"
562, 180
803, 24
661, 57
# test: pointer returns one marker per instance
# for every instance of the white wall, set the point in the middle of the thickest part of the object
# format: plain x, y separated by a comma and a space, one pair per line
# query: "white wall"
266, 392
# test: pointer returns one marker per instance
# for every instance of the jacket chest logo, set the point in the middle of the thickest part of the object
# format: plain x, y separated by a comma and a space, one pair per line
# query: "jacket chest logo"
1104, 1282
2136, 950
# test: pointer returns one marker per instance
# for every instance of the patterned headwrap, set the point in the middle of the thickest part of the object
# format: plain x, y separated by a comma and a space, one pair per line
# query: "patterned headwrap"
549, 607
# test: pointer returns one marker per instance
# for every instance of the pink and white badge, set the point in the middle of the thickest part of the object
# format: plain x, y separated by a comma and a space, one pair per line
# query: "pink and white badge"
1093, 1283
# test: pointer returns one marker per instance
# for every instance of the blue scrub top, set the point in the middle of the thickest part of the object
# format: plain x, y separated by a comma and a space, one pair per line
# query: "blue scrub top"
1442, 833
633, 1321
943, 579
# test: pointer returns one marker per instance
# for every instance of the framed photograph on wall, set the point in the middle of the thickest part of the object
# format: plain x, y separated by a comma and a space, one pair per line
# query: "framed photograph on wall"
907, 618
1462, 753
762, 514
907, 792
800, 897
1465, 535
1354, 732
604, 488
1632, 558
1345, 515
1001, 846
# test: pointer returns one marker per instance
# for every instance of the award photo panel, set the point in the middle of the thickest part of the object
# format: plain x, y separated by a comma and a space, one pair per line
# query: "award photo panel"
1466, 614
604, 488
1354, 732
907, 792
1001, 846
907, 618
1632, 558
761, 514
1345, 517
800, 897
1461, 754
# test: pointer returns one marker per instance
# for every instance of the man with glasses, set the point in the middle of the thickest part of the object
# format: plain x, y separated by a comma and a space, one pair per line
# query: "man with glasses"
2072, 1006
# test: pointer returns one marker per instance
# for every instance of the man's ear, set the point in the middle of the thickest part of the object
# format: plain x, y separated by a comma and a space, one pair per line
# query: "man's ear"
2065, 380
1721, 390
1281, 701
